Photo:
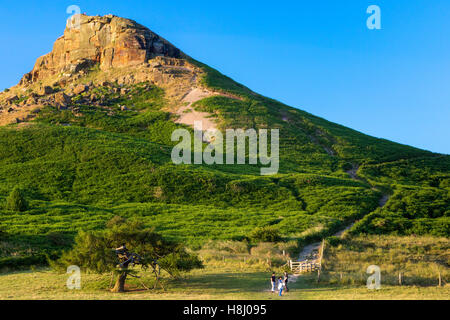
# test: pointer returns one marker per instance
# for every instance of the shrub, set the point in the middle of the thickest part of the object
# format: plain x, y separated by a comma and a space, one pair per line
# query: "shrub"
277, 262
334, 241
16, 201
115, 221
291, 248
3, 234
59, 239
347, 166
22, 262
177, 262
266, 234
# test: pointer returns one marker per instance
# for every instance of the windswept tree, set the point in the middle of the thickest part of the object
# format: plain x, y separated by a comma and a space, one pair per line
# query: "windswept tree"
95, 251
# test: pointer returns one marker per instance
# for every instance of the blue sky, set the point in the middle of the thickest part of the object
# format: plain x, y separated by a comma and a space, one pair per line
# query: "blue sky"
318, 56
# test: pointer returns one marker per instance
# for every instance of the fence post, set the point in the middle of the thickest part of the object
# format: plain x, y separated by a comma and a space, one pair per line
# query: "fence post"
440, 279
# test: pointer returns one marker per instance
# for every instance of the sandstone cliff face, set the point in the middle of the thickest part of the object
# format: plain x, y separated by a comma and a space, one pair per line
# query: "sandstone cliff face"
124, 54
109, 41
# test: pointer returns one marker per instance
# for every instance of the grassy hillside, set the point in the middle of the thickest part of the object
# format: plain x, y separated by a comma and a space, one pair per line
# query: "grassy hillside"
79, 168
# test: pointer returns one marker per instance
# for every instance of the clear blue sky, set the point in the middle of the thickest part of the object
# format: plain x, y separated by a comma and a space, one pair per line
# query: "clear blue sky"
317, 55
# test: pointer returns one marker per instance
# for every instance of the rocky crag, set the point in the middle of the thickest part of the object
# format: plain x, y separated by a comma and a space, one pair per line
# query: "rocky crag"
111, 42
99, 52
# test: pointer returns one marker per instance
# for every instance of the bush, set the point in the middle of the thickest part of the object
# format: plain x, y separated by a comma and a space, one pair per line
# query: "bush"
115, 221
3, 234
333, 241
291, 248
16, 201
59, 239
277, 262
15, 263
266, 234
347, 166
177, 262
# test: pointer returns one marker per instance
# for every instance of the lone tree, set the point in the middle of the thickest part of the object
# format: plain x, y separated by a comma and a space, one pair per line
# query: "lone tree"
95, 252
16, 201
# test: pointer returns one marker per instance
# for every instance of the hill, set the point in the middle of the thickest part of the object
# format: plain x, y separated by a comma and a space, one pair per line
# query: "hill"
86, 136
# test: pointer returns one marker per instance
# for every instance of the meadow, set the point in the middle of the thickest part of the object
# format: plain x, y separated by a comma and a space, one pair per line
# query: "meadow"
233, 271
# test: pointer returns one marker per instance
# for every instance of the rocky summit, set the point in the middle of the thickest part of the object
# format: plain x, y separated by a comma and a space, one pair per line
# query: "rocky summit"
109, 41
94, 53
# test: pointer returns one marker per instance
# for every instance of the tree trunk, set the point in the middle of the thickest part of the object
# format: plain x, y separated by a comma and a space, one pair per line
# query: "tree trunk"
120, 283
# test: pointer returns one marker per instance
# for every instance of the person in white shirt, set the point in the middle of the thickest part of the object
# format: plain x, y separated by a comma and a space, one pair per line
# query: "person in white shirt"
280, 286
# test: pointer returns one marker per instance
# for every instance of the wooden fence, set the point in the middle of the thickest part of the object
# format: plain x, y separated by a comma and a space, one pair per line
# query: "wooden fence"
301, 267
308, 266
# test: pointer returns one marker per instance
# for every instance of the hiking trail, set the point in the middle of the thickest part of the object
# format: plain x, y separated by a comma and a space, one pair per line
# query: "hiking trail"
310, 253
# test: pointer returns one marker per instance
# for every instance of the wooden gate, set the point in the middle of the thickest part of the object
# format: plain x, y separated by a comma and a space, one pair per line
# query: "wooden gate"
301, 267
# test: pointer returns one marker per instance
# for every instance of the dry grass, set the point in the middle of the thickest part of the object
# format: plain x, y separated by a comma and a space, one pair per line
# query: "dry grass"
235, 271
224, 282
418, 259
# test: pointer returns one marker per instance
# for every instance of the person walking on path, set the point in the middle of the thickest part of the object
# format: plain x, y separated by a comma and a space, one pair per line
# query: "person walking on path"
286, 279
273, 280
280, 286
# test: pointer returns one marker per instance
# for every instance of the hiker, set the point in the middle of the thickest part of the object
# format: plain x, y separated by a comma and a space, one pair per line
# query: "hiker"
280, 286
286, 279
273, 280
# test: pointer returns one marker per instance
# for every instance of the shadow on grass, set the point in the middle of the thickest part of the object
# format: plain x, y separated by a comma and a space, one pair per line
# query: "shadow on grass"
226, 282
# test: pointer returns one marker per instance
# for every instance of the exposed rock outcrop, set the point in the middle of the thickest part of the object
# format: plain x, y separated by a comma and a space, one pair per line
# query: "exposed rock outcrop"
103, 57
109, 41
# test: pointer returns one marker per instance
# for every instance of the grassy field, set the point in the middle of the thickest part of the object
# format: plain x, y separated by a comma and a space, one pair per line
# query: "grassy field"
235, 271
211, 283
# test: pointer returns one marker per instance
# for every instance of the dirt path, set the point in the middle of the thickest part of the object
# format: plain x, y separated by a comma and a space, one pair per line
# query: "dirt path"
187, 114
353, 172
384, 199
311, 252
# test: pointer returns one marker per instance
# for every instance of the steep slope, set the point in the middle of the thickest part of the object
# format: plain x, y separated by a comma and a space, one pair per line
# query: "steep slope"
88, 136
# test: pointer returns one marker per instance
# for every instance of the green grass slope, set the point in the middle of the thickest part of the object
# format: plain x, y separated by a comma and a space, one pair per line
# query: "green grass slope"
79, 170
